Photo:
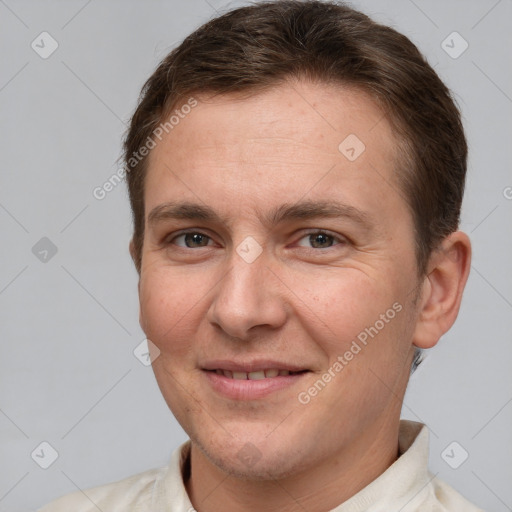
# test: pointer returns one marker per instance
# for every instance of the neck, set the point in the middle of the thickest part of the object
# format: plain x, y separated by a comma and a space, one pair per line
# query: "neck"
315, 489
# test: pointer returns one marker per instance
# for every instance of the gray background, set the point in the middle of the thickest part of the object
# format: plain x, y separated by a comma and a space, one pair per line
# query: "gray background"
69, 324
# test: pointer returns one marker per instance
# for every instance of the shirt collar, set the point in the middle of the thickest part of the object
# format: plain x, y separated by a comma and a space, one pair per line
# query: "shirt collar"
405, 483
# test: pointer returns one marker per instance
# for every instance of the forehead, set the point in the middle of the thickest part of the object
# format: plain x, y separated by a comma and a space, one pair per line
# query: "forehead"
295, 139
305, 112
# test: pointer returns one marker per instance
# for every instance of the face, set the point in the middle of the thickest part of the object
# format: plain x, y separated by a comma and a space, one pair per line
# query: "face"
279, 276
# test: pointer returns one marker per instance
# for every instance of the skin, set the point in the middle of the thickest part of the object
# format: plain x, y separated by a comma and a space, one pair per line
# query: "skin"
299, 301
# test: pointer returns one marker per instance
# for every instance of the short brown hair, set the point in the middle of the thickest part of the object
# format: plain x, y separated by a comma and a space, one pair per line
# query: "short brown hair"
262, 45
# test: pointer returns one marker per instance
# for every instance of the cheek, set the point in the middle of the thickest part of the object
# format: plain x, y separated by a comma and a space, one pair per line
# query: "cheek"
342, 304
168, 309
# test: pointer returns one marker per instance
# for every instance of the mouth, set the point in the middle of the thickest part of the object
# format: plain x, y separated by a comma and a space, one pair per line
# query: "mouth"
256, 375
251, 381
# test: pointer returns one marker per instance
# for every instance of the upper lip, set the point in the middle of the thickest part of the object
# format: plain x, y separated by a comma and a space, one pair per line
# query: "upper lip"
251, 366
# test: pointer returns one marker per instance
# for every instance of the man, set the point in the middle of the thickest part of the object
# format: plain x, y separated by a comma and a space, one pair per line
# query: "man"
296, 173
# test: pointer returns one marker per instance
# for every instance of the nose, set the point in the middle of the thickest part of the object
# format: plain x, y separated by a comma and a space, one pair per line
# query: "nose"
249, 296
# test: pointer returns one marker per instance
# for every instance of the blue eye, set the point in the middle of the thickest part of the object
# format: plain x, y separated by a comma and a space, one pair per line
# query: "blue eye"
313, 240
320, 240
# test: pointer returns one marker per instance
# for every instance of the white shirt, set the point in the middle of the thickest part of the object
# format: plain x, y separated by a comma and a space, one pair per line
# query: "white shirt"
406, 486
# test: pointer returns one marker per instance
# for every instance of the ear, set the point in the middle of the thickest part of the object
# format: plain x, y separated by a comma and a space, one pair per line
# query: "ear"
442, 289
131, 248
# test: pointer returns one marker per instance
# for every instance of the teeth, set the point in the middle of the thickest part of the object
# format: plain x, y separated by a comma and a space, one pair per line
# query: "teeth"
260, 374
256, 375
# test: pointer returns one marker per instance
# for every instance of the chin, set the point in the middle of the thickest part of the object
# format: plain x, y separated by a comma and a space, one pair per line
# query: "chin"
254, 457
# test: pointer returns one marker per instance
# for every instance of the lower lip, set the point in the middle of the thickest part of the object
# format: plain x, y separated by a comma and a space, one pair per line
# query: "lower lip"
250, 389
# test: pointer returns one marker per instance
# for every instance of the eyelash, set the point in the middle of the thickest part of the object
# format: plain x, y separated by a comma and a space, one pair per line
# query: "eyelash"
341, 240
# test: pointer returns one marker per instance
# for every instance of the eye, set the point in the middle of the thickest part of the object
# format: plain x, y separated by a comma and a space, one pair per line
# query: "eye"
320, 240
191, 240
316, 239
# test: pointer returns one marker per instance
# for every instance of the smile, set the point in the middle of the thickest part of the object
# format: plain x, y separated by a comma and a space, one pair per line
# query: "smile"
251, 384
258, 375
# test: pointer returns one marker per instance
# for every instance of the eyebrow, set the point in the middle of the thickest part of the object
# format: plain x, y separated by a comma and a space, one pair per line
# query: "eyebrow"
303, 210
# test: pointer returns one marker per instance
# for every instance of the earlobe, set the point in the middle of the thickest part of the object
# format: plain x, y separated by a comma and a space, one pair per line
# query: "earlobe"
442, 289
